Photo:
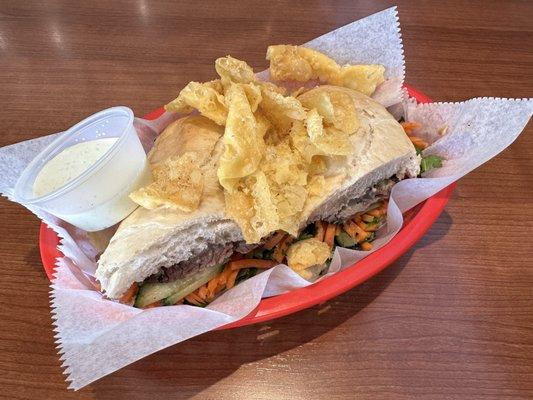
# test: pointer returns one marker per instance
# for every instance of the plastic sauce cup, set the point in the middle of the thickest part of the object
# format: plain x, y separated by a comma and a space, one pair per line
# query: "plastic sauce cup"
98, 197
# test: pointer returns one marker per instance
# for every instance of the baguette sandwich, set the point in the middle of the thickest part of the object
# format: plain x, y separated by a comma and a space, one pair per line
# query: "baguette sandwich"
255, 177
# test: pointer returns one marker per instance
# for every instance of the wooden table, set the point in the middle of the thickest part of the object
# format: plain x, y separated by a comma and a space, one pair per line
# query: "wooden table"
453, 318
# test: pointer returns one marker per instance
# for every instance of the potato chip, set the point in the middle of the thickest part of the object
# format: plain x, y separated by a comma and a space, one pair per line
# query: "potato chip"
318, 165
253, 94
284, 166
302, 64
177, 183
307, 253
337, 108
276, 104
329, 140
234, 70
300, 141
280, 110
240, 207
266, 217
205, 97
363, 78
243, 139
286, 172
316, 185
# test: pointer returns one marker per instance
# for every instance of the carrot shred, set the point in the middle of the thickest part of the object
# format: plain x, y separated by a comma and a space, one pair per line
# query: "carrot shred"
281, 248
274, 240
329, 236
223, 277
418, 142
130, 294
338, 230
212, 286
320, 230
349, 228
202, 292
194, 299
366, 246
362, 225
251, 263
231, 279
409, 127
154, 304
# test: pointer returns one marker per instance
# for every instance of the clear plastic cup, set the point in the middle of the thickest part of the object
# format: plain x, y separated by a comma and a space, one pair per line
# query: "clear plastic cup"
98, 198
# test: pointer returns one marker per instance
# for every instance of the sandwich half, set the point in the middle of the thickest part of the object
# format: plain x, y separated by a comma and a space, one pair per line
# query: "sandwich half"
165, 255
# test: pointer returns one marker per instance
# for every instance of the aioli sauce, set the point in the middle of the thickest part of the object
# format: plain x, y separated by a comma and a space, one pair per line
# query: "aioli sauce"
69, 164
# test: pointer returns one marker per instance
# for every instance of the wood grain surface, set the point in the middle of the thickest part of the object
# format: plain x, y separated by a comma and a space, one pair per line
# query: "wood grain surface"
451, 319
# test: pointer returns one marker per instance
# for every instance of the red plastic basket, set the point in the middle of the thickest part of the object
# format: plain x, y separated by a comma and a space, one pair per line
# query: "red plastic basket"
414, 228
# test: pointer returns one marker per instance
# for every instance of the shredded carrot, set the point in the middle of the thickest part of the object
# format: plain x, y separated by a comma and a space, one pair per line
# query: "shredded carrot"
223, 277
96, 284
194, 299
130, 294
231, 279
274, 240
281, 248
349, 228
362, 225
418, 142
409, 127
329, 236
366, 246
212, 286
152, 305
251, 263
320, 230
338, 230
202, 292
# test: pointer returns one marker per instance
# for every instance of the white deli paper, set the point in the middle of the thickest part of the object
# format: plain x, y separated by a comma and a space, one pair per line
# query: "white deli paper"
96, 336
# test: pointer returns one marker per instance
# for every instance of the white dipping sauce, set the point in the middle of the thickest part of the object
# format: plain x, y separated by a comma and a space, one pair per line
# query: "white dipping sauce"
69, 164
102, 199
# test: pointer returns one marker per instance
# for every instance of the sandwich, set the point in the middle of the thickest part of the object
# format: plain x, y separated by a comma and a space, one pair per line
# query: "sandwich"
254, 176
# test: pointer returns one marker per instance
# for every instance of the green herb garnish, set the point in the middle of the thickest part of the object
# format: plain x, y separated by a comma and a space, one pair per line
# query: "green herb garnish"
430, 162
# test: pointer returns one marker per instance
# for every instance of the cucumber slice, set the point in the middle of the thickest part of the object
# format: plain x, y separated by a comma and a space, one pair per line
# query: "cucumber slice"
344, 240
173, 291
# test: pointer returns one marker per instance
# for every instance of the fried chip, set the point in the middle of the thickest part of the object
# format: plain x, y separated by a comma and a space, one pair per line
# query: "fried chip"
279, 109
329, 140
178, 182
302, 64
336, 108
363, 78
273, 197
233, 70
243, 139
205, 97
253, 94
307, 253
300, 141
276, 147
